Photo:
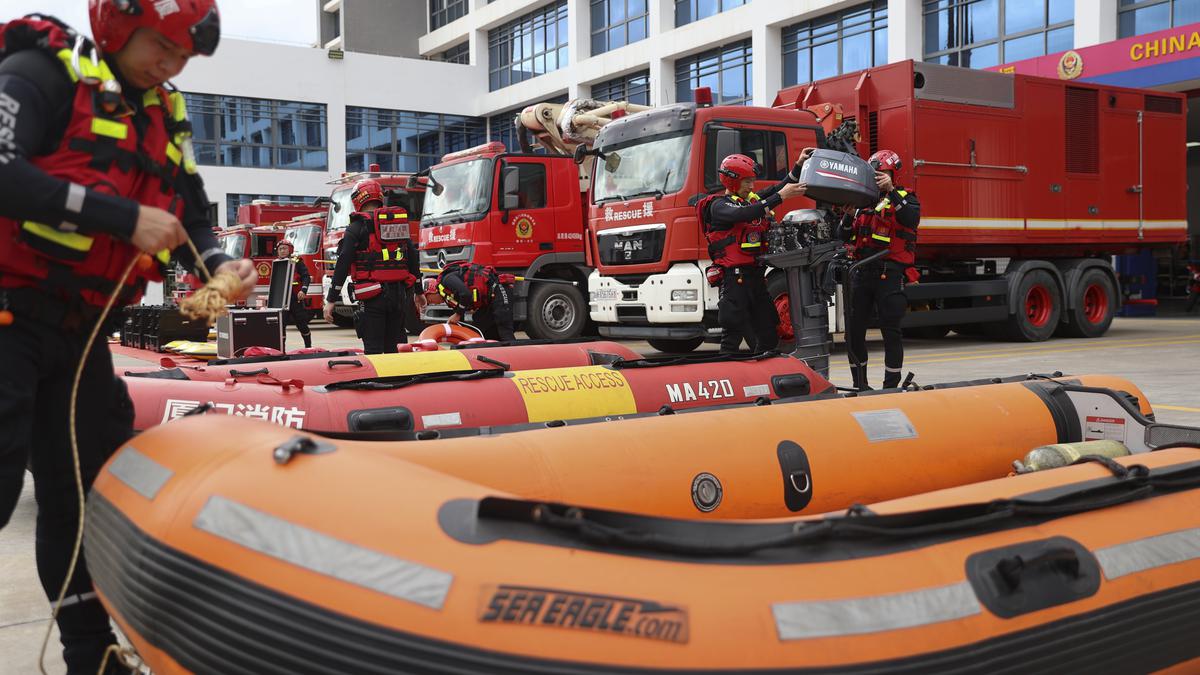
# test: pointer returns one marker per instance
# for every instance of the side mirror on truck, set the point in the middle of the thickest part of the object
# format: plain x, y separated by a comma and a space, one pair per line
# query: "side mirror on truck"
729, 142
510, 188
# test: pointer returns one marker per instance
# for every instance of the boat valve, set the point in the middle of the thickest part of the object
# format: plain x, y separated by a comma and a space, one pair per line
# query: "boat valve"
304, 445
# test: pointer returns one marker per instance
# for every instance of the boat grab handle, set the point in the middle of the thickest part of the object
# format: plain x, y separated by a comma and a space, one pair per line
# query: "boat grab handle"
335, 363
249, 373
803, 487
1009, 570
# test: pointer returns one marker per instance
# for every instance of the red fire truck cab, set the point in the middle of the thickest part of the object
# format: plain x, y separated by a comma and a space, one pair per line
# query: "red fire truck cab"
1027, 186
521, 213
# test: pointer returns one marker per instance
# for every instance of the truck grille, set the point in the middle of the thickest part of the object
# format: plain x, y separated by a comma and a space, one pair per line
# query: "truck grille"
631, 246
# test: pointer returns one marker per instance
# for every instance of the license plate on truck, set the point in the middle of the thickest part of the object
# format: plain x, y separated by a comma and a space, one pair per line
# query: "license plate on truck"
606, 294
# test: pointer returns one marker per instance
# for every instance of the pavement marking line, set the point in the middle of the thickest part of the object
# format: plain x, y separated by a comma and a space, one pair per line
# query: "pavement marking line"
976, 357
1041, 347
1177, 408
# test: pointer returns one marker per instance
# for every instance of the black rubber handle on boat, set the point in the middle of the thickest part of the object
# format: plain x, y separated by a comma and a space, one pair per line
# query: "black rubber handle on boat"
1009, 570
248, 373
333, 364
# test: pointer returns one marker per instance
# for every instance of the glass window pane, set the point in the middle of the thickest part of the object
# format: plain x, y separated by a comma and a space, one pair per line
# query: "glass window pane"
938, 35
683, 13
982, 22
856, 52
616, 11
616, 36
1061, 10
1060, 40
981, 57
1022, 16
706, 8
824, 61
599, 20
1024, 48
599, 43
1145, 20
637, 29
1186, 11
881, 47
733, 84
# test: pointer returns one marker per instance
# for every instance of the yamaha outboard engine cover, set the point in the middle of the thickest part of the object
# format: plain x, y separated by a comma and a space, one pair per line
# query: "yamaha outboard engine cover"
839, 178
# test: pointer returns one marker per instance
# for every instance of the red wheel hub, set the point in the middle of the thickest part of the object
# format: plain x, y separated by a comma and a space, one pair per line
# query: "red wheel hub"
783, 307
1038, 303
1095, 303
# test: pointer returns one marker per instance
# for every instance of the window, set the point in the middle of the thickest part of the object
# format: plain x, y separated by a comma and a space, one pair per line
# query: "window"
442, 12
404, 141
986, 33
457, 54
500, 126
768, 148
834, 44
687, 11
1138, 17
233, 201
236, 131
726, 70
634, 88
531, 185
616, 23
532, 45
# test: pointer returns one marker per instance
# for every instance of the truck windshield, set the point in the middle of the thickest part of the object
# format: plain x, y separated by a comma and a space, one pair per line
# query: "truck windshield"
656, 167
467, 190
306, 239
234, 245
340, 208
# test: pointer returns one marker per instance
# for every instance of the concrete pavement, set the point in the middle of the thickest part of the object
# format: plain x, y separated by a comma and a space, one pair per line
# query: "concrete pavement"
1161, 355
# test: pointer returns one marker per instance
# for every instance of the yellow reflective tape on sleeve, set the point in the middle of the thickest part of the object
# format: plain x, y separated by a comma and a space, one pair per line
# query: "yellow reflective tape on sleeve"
71, 240
574, 393
416, 363
752, 244
880, 237
174, 153
64, 55
102, 127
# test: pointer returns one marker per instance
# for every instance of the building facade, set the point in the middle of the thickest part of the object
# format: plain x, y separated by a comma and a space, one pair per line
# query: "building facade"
401, 82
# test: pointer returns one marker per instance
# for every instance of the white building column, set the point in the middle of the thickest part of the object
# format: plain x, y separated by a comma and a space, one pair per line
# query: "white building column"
477, 43
1095, 22
766, 69
662, 71
906, 31
662, 82
579, 38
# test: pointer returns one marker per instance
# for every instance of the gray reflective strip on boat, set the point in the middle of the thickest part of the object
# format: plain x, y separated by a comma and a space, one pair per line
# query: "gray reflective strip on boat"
1143, 554
874, 614
142, 474
323, 554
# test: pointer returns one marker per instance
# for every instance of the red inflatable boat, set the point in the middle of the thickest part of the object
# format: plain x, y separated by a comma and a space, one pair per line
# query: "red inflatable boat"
483, 397
317, 369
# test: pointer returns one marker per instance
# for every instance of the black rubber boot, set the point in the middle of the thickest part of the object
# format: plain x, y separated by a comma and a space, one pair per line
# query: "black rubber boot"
859, 374
307, 339
891, 378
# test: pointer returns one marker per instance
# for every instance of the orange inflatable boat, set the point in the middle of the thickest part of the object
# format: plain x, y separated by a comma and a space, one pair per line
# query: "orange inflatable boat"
340, 558
315, 369
485, 397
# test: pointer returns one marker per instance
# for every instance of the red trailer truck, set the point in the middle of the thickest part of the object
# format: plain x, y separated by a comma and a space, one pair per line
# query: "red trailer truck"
306, 234
1028, 186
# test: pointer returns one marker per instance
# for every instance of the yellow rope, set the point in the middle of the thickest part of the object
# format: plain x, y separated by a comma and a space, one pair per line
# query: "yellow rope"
223, 286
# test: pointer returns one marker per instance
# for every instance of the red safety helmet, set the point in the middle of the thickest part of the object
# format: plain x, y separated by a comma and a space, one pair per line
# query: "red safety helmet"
885, 160
194, 25
365, 191
735, 169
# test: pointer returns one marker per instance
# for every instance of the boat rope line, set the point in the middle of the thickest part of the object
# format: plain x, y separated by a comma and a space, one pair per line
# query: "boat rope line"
402, 381
686, 359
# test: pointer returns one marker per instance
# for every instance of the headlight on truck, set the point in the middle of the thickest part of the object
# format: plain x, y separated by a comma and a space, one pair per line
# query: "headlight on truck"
685, 295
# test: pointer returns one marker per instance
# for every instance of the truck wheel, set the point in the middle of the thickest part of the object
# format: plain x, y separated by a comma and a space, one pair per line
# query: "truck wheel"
1095, 304
556, 312
1039, 307
777, 289
343, 321
676, 345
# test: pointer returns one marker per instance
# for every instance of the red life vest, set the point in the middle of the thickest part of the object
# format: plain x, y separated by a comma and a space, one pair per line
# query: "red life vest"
740, 244
385, 260
877, 228
101, 150
478, 279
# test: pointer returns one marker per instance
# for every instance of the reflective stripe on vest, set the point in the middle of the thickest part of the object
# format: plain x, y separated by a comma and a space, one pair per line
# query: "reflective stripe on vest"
71, 240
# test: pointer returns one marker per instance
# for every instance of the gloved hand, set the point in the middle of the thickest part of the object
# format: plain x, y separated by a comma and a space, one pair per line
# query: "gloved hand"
794, 176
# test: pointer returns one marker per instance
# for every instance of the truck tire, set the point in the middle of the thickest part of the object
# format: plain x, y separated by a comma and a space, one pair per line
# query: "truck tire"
1039, 308
777, 289
556, 312
676, 345
1095, 303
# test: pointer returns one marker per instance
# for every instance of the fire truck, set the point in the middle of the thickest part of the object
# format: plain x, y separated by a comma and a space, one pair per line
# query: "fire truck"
306, 233
1027, 185
524, 213
399, 189
260, 226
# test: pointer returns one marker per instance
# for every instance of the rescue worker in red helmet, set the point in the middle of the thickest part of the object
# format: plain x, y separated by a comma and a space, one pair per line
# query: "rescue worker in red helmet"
296, 312
96, 169
380, 256
468, 287
735, 224
878, 286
